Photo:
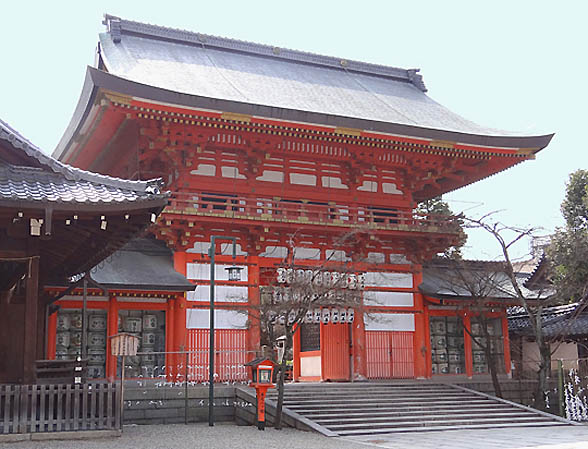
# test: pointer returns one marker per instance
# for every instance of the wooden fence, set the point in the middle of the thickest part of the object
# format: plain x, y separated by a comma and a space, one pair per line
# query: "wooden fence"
56, 408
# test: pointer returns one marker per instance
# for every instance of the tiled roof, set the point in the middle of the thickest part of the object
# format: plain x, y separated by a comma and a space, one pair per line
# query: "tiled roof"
486, 279
557, 321
58, 184
243, 72
142, 264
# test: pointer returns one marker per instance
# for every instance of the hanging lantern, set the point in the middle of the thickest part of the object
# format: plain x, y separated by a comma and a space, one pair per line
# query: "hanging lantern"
234, 273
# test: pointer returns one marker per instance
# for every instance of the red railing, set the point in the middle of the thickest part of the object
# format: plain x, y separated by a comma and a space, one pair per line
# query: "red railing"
309, 212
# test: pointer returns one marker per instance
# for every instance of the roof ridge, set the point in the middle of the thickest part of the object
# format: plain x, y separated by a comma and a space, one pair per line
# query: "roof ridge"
18, 141
116, 26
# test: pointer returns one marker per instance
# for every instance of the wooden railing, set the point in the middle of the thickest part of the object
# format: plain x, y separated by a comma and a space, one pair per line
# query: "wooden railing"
309, 212
55, 408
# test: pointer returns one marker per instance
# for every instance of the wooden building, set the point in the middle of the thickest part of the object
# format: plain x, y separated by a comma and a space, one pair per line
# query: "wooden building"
288, 152
56, 221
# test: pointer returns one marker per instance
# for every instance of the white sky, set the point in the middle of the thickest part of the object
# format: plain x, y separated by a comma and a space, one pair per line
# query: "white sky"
515, 65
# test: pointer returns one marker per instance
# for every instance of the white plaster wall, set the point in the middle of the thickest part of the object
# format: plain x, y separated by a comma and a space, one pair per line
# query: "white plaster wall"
307, 253
389, 322
310, 366
231, 172
302, 179
568, 352
389, 187
275, 251
387, 279
271, 176
333, 182
202, 271
204, 170
227, 293
396, 299
223, 319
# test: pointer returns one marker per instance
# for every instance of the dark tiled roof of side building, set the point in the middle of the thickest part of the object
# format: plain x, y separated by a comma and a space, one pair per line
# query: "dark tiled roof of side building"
143, 264
48, 181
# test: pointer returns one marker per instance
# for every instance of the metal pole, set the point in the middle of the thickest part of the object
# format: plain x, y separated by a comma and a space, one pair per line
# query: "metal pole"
186, 390
560, 386
85, 319
122, 392
211, 252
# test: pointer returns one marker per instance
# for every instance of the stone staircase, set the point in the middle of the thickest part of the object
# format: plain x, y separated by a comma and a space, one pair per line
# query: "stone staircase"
346, 409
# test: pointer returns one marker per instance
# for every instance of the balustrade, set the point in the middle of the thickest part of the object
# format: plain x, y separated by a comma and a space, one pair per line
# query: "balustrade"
305, 211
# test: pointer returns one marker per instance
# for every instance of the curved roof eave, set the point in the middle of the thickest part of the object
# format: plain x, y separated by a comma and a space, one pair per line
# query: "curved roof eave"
96, 79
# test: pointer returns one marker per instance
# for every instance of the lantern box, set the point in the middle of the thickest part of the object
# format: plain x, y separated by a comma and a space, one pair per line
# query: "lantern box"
262, 371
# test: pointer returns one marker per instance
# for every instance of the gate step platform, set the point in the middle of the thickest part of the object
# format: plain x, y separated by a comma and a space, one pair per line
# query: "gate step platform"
346, 409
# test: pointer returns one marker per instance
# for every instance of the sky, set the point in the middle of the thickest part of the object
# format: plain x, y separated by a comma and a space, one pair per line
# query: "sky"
513, 65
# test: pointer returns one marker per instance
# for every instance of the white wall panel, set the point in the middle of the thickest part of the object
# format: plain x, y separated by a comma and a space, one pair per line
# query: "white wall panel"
387, 279
204, 170
202, 271
223, 319
310, 366
396, 299
389, 322
227, 293
302, 179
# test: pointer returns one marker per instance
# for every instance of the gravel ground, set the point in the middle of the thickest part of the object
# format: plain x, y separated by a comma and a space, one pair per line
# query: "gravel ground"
230, 436
198, 436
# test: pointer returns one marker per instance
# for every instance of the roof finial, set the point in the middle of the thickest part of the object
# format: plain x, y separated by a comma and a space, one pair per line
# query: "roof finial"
113, 27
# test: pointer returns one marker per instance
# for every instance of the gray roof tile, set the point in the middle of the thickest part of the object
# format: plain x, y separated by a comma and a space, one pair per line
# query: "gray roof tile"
58, 183
228, 69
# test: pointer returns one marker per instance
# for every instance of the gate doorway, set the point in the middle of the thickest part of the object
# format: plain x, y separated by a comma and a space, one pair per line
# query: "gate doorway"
389, 355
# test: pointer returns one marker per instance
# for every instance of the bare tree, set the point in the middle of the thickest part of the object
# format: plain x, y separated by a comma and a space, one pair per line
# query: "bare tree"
481, 285
329, 292
532, 301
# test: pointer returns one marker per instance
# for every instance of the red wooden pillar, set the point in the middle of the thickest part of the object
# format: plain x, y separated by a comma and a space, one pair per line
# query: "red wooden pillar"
506, 346
323, 344
296, 355
421, 333
112, 329
359, 347
254, 331
51, 336
180, 265
467, 344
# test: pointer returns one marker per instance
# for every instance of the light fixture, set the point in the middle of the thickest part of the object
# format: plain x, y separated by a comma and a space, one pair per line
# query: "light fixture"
234, 273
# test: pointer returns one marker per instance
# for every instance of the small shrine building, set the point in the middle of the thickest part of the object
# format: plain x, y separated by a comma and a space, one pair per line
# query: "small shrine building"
56, 222
289, 153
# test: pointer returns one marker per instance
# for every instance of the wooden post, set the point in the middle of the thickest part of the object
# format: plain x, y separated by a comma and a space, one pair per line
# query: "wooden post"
506, 347
30, 324
359, 347
112, 329
421, 335
467, 345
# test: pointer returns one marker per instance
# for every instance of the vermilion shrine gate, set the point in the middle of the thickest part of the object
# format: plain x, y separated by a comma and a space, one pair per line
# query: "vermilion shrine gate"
288, 152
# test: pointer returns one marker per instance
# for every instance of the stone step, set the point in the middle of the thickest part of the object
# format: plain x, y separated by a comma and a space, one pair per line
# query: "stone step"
440, 422
358, 400
467, 417
375, 411
368, 416
384, 403
443, 428
304, 395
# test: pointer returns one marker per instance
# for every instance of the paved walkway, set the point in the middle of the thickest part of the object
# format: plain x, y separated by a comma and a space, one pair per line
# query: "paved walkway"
230, 436
564, 437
